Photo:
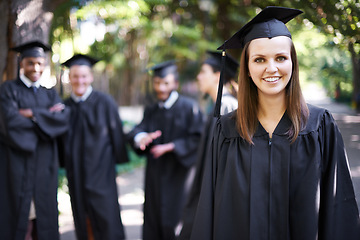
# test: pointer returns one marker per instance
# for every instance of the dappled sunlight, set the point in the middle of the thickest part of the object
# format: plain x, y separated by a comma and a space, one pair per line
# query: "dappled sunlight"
122, 181
355, 145
132, 217
135, 198
313, 93
348, 118
354, 138
355, 141
355, 172
66, 222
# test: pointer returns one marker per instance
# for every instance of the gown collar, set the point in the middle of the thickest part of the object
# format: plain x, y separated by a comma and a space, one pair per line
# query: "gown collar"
83, 97
281, 129
28, 82
174, 95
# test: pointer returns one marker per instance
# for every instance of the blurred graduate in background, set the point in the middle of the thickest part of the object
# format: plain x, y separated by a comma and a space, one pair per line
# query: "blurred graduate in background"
31, 119
209, 80
168, 134
93, 146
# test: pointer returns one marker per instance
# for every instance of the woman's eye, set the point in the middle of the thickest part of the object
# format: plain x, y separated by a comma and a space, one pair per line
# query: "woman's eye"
259, 60
281, 58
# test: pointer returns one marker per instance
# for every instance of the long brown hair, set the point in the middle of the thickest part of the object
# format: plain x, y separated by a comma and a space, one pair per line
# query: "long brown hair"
296, 108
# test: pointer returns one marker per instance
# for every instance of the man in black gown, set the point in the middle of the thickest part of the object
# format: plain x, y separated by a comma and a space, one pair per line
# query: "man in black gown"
169, 134
93, 145
31, 118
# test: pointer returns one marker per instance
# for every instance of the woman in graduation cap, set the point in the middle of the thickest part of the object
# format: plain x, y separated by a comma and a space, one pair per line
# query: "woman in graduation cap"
31, 119
278, 168
94, 144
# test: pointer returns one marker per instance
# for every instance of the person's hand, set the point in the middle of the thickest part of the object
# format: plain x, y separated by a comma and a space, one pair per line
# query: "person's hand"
149, 138
26, 112
159, 150
57, 107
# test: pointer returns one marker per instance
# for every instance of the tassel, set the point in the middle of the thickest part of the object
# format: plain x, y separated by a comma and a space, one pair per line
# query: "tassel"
221, 84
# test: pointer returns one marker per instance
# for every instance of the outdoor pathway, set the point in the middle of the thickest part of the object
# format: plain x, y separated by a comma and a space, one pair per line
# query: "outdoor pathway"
131, 183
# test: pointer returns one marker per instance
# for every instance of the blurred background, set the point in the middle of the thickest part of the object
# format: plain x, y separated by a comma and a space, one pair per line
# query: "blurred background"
129, 36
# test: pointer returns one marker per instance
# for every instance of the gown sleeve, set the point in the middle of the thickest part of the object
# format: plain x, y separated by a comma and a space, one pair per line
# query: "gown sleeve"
23, 133
186, 147
53, 124
141, 127
338, 214
17, 130
116, 133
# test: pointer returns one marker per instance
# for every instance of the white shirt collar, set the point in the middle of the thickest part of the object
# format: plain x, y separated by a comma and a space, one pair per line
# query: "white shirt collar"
28, 82
174, 95
83, 97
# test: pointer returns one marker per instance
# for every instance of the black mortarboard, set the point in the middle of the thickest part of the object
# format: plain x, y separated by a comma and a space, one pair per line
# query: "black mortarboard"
231, 65
32, 49
163, 69
80, 59
269, 23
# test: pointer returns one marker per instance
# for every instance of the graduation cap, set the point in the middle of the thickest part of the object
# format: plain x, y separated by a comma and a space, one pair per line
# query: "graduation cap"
269, 23
80, 59
165, 68
32, 49
231, 65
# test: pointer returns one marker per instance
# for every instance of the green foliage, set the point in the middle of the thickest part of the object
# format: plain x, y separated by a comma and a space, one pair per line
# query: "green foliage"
321, 61
62, 180
141, 33
61, 26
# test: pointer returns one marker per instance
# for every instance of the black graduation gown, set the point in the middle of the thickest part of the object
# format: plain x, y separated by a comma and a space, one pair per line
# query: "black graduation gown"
29, 160
94, 144
275, 190
189, 211
166, 176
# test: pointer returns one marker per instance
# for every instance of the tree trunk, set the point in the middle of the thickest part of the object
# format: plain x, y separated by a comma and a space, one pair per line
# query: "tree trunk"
356, 72
23, 21
4, 6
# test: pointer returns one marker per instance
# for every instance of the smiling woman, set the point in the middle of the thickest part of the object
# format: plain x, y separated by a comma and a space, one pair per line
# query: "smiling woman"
277, 167
270, 69
270, 64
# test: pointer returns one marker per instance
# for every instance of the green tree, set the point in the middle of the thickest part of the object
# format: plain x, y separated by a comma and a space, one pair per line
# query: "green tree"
139, 34
321, 61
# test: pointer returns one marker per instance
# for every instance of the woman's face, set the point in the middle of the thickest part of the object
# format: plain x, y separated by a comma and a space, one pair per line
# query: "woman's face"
207, 78
270, 65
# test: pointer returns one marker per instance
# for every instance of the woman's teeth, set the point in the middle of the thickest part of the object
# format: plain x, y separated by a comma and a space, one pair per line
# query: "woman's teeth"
271, 79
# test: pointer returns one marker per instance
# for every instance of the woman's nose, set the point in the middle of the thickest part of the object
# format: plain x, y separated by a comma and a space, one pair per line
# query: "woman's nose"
271, 66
